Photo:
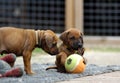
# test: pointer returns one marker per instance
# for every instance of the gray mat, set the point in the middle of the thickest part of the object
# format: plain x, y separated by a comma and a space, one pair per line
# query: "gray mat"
52, 76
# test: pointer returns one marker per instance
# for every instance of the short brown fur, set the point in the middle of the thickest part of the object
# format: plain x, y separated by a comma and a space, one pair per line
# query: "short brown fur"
70, 38
23, 41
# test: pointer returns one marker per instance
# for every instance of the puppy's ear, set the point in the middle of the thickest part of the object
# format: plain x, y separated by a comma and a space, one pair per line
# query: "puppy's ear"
48, 40
63, 36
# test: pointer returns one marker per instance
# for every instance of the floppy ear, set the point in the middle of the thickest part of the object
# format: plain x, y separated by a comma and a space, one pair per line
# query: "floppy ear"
48, 40
63, 36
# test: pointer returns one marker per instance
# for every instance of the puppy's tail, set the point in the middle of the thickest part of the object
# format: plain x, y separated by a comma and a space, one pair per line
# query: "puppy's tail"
54, 67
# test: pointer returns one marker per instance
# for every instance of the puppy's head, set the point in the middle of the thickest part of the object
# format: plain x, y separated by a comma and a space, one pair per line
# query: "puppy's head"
73, 38
49, 42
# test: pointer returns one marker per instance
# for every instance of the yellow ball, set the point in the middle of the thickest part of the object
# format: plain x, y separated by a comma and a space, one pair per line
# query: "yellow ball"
74, 64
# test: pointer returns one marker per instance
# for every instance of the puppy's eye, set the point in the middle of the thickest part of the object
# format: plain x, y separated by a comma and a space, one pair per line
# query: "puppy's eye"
72, 38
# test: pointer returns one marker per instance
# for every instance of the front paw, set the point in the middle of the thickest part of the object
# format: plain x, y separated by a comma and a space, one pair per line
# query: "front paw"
30, 73
81, 51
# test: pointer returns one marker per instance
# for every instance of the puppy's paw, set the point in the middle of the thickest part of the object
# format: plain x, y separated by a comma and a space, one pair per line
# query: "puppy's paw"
31, 73
81, 51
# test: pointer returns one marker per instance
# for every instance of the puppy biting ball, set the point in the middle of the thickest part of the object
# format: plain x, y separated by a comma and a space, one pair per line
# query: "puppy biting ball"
74, 64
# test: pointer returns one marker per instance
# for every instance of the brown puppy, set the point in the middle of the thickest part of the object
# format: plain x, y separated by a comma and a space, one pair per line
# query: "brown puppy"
23, 41
72, 43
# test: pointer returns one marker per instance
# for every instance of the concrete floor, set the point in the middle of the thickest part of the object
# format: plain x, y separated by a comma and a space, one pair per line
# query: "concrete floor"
113, 77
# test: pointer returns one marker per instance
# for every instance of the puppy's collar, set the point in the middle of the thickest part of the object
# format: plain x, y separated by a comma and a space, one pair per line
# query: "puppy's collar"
36, 35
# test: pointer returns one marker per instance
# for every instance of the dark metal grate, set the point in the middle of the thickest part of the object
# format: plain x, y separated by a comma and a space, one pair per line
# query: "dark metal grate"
102, 17
36, 14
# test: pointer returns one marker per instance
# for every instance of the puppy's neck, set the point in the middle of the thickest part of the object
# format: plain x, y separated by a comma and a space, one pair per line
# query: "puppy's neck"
39, 36
71, 50
36, 37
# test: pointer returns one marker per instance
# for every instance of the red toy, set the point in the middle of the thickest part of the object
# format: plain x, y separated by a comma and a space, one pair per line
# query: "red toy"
6, 64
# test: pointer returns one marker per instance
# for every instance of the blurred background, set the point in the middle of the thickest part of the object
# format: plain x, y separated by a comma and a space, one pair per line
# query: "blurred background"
97, 19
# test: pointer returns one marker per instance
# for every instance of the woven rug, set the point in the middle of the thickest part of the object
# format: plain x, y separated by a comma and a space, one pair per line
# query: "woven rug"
52, 76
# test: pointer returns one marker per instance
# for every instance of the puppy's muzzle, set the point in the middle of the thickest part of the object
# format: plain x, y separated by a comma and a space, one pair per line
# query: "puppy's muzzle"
77, 45
55, 52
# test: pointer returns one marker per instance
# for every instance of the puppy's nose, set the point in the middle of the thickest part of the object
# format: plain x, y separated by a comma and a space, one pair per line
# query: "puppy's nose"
80, 45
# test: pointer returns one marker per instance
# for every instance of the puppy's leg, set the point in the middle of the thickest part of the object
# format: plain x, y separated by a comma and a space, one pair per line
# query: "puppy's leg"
60, 61
81, 51
27, 64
